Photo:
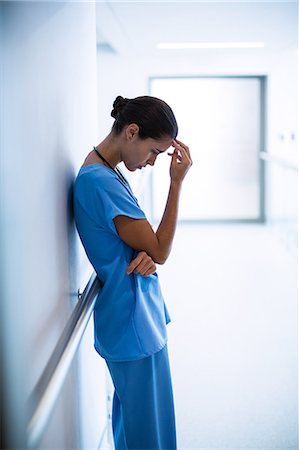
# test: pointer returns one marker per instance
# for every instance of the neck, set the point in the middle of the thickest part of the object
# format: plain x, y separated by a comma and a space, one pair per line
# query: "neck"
110, 150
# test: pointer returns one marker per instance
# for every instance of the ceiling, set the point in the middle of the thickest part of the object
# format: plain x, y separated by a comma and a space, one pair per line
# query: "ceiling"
137, 27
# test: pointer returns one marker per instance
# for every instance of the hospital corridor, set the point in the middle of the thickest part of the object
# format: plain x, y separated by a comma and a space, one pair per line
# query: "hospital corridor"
229, 72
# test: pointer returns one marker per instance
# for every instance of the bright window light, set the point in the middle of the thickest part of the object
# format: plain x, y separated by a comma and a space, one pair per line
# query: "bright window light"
194, 45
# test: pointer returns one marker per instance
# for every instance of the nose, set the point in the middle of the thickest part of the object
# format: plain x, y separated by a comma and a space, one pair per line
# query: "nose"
151, 161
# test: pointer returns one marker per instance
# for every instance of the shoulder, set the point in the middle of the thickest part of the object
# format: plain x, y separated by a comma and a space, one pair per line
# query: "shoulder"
95, 176
97, 181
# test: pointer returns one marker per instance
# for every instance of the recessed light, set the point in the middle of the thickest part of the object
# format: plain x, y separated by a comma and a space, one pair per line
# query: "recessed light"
195, 45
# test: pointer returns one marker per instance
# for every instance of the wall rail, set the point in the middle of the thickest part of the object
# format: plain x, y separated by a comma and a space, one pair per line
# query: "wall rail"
274, 159
44, 395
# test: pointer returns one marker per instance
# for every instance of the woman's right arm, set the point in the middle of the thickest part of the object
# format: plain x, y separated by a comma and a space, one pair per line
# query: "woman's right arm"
138, 233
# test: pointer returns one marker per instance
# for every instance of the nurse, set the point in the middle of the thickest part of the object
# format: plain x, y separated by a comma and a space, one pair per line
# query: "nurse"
130, 315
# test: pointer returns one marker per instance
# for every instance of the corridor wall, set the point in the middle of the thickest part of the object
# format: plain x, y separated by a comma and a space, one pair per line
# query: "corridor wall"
48, 120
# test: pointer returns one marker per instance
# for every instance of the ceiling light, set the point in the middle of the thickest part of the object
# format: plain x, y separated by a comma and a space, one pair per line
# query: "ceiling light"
194, 45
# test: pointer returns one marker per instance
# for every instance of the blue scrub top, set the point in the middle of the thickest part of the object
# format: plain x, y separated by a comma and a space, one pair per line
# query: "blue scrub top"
130, 315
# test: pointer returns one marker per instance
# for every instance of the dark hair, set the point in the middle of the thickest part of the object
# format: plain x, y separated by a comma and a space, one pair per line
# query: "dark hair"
153, 116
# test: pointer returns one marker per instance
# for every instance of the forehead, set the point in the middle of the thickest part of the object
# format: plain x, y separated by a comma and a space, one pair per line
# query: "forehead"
162, 144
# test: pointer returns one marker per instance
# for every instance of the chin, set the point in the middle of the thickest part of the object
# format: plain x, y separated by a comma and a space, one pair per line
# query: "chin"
131, 168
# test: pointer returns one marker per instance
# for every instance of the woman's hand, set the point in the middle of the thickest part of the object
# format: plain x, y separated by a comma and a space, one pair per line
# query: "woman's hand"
180, 162
142, 264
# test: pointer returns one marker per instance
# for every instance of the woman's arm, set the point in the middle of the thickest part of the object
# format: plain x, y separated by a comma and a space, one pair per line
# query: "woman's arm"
139, 234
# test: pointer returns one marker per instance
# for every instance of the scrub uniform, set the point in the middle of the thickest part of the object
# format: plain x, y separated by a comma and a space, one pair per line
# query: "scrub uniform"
130, 315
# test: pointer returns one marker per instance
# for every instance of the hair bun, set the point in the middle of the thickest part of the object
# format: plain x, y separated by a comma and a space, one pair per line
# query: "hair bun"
118, 106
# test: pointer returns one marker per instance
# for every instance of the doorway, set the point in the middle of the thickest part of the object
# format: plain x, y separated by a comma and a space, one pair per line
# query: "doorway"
221, 119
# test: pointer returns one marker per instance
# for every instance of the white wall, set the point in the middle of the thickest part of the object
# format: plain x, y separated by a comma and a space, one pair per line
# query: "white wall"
49, 116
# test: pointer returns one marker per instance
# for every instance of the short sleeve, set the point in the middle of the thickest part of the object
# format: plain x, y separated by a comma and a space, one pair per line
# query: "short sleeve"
115, 200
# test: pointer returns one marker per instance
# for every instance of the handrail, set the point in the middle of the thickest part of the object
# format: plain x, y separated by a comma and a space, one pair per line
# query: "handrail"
272, 158
44, 395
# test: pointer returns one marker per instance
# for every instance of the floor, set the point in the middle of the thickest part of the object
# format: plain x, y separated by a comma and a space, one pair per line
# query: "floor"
232, 294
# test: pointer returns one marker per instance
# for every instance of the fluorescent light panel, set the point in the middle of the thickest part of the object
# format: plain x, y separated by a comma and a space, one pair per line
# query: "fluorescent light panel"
192, 45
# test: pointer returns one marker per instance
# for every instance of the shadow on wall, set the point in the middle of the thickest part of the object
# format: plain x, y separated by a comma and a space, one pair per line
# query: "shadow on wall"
43, 14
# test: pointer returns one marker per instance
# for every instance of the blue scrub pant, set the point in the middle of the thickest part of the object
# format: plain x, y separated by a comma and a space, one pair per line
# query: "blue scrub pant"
143, 409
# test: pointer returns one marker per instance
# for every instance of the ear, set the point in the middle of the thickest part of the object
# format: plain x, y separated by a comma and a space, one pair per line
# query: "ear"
132, 131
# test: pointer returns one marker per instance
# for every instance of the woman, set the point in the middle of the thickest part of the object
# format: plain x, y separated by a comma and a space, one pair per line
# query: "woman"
130, 316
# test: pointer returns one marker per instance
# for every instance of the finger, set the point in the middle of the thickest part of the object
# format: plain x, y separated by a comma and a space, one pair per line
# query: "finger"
142, 266
182, 145
131, 267
185, 155
179, 147
146, 269
175, 157
149, 270
174, 153
178, 156
146, 264
135, 262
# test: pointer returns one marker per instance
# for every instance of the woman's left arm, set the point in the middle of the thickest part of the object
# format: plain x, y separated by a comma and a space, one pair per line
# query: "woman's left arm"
142, 264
